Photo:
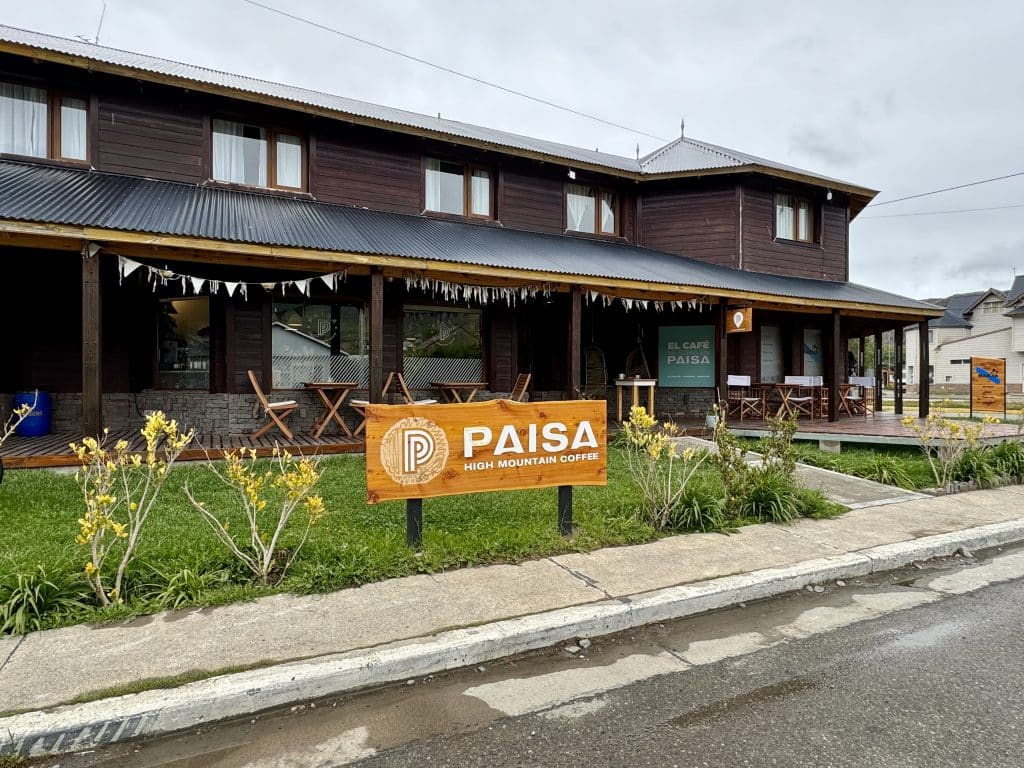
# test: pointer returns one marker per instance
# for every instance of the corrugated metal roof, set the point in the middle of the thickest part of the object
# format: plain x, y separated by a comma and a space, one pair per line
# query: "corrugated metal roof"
679, 156
60, 195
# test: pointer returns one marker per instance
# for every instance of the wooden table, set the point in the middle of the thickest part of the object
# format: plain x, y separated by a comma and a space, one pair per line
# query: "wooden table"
333, 395
788, 397
621, 384
455, 391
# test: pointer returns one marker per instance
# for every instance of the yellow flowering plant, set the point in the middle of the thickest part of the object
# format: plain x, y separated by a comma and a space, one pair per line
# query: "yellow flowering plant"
120, 488
944, 441
660, 470
270, 493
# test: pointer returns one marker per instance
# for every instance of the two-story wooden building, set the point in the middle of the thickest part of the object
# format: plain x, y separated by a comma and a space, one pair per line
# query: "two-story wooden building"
165, 228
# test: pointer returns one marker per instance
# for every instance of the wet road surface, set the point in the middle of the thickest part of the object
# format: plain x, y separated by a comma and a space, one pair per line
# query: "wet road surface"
918, 668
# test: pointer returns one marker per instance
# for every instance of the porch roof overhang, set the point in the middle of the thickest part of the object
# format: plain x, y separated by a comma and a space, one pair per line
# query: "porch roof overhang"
47, 205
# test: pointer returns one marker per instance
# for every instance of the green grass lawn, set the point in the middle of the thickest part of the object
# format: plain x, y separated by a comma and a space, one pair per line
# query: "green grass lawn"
353, 544
868, 462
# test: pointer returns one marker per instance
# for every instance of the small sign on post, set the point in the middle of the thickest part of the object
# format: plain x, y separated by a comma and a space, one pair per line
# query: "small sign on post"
740, 320
988, 385
419, 451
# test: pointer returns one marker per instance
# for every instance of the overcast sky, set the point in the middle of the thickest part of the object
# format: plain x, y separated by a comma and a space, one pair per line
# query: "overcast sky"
903, 97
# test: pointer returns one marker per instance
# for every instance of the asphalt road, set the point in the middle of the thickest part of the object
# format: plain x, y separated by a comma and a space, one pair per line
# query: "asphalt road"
923, 669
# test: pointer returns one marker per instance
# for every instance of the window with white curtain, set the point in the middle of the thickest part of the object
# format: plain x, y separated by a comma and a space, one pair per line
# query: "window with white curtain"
591, 210
257, 156
794, 218
456, 188
36, 123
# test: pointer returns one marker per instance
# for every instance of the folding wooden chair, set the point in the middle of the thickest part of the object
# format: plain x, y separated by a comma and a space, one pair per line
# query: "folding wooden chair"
802, 401
276, 413
741, 400
359, 406
863, 402
519, 390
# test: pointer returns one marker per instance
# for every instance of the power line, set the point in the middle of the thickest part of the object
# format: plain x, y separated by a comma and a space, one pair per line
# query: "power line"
946, 189
938, 213
451, 71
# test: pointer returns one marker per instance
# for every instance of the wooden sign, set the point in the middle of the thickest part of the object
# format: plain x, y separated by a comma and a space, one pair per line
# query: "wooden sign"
988, 385
739, 320
418, 451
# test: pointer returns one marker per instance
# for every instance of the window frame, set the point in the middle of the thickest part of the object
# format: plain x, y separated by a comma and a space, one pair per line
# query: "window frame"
53, 101
273, 132
599, 192
468, 167
813, 208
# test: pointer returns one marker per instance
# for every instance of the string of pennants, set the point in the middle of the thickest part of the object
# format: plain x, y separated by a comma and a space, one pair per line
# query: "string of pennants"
158, 277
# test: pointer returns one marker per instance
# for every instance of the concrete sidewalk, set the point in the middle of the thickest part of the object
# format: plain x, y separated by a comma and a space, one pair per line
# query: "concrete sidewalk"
365, 627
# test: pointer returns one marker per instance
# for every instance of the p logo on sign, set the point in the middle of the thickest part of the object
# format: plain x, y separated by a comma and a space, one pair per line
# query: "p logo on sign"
413, 450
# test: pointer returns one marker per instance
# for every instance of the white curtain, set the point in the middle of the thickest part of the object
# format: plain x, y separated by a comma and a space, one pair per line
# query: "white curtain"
480, 193
72, 128
579, 200
289, 161
239, 158
784, 217
23, 121
433, 185
608, 213
803, 222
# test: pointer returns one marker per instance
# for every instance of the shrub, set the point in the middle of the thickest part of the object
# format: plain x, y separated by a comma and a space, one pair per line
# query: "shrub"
658, 469
978, 465
776, 448
120, 489
771, 496
814, 504
1008, 458
170, 590
886, 470
270, 494
944, 442
698, 509
730, 461
28, 599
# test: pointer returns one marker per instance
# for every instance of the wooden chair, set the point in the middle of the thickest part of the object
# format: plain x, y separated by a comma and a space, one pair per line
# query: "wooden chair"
743, 401
802, 402
861, 399
519, 390
276, 413
359, 406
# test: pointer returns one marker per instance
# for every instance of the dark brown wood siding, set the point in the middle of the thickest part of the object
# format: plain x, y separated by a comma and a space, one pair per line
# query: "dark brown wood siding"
696, 222
502, 351
354, 172
530, 200
826, 259
247, 339
148, 137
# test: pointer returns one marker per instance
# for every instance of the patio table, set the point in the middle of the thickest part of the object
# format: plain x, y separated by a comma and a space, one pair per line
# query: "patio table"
456, 391
635, 384
790, 401
333, 395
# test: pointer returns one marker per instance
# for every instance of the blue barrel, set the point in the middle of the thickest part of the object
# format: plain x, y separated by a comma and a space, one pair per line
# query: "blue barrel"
37, 423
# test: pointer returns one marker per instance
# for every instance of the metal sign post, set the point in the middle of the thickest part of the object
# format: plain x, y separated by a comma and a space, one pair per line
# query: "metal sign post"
414, 523
565, 510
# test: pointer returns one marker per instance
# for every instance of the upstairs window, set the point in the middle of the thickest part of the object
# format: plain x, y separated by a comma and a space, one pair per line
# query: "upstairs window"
794, 218
991, 307
591, 209
257, 156
37, 123
457, 188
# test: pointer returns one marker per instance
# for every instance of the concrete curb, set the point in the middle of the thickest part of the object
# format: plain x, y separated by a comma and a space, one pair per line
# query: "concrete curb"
75, 727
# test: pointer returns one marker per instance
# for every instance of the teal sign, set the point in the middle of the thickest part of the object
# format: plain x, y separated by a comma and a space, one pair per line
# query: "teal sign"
686, 356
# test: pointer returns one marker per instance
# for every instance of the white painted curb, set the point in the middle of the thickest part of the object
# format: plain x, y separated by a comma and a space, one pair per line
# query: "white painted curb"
82, 726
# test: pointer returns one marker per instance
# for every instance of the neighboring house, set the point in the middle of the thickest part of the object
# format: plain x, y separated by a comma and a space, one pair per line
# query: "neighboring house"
979, 324
128, 182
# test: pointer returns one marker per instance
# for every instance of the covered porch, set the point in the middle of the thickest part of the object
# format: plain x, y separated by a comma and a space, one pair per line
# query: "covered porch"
132, 298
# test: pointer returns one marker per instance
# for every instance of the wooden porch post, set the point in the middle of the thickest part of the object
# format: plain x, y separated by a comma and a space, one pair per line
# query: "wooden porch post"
897, 377
878, 371
924, 389
722, 350
92, 342
860, 355
838, 367
572, 369
376, 374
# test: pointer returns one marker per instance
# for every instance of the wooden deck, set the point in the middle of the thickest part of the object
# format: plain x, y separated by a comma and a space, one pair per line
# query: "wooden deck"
54, 450
879, 429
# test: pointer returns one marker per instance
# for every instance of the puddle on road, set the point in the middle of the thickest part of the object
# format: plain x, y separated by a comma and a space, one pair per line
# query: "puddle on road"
752, 698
